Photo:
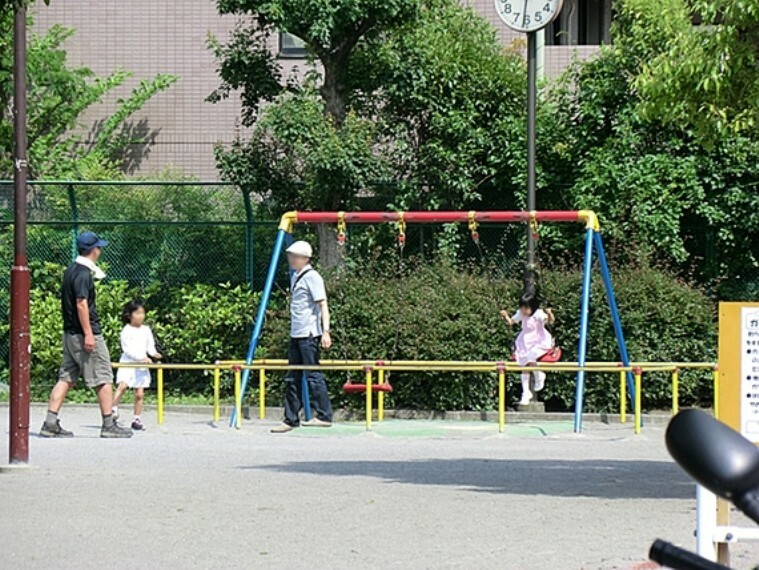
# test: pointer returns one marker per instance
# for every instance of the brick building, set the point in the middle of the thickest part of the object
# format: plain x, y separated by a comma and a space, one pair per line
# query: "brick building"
155, 36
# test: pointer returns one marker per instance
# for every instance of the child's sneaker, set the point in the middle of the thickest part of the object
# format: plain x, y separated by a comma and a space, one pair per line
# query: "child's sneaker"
137, 425
540, 382
526, 399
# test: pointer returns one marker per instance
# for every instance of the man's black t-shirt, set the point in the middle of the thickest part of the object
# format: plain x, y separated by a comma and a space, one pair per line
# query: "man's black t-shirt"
78, 284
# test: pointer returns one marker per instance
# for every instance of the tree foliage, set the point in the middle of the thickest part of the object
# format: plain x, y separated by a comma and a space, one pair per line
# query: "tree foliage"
659, 191
706, 76
330, 30
57, 97
451, 99
433, 119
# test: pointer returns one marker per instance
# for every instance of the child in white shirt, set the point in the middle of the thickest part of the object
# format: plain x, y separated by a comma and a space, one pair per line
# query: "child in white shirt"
137, 345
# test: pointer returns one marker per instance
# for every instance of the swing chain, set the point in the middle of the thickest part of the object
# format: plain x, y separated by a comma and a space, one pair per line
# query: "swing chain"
341, 228
473, 227
534, 225
401, 231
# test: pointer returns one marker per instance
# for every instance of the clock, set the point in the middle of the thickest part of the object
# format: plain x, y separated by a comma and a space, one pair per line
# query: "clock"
528, 15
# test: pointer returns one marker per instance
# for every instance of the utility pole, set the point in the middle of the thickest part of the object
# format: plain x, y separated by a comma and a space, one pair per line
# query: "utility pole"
20, 346
532, 79
530, 17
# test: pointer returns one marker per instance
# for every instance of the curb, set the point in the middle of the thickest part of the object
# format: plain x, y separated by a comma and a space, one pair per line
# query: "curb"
276, 414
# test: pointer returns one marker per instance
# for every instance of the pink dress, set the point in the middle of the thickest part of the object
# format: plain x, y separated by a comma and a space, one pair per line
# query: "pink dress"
534, 340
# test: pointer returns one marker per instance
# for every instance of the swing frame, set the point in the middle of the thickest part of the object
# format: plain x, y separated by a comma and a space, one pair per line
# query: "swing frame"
593, 244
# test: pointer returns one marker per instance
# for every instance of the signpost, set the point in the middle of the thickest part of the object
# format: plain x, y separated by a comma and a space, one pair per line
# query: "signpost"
737, 397
738, 391
20, 347
530, 16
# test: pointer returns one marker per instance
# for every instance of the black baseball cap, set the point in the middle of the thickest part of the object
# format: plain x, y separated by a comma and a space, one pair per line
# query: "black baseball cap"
87, 241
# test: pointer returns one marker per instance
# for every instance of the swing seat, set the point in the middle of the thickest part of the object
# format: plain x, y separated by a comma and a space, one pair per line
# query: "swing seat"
350, 388
553, 355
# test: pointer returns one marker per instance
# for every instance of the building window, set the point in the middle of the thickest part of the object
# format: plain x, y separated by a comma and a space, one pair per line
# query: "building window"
581, 23
291, 46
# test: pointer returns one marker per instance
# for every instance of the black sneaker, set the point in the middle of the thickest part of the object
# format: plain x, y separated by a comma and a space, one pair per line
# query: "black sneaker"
115, 431
137, 425
55, 430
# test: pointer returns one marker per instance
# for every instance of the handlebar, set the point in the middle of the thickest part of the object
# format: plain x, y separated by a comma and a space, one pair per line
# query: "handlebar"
677, 558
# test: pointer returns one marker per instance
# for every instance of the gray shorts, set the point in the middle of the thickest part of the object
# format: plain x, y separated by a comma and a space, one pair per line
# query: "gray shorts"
94, 367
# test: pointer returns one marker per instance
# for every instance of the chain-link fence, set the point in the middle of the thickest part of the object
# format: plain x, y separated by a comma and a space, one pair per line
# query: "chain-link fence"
168, 234
173, 233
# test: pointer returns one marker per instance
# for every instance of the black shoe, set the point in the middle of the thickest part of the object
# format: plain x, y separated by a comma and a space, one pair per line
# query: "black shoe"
55, 430
137, 425
115, 431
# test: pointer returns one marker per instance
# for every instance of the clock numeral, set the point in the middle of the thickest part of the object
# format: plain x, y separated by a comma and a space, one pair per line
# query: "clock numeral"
507, 8
526, 21
538, 17
516, 17
547, 8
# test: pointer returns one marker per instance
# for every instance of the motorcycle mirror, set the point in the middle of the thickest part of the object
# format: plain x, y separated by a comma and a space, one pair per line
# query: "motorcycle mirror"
716, 456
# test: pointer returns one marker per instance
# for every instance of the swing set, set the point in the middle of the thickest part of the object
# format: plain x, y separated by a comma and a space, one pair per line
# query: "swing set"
593, 244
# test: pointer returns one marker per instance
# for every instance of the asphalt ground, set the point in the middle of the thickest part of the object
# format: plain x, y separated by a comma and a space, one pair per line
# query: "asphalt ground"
411, 494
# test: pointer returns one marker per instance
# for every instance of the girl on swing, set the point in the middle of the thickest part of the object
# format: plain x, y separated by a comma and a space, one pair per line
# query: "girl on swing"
533, 341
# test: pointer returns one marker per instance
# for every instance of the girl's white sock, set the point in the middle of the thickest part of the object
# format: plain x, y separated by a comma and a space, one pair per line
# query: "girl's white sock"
526, 394
540, 380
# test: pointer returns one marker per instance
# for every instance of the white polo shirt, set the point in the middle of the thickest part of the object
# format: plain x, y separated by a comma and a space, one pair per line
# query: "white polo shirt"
305, 312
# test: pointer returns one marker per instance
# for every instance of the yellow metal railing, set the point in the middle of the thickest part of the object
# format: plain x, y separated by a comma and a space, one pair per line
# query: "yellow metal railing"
368, 367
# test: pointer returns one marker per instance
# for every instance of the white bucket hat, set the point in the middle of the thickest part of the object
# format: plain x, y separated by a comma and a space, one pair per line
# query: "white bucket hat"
302, 248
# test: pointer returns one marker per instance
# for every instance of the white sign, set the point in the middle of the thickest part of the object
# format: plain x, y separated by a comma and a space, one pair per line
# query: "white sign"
750, 373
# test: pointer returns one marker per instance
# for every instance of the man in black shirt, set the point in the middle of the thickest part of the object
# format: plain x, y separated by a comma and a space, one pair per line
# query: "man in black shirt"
85, 353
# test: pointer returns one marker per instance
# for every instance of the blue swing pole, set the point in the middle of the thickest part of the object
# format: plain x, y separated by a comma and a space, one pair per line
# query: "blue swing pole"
606, 276
582, 351
261, 314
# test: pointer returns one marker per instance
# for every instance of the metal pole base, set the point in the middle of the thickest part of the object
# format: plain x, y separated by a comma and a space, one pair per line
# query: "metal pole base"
20, 365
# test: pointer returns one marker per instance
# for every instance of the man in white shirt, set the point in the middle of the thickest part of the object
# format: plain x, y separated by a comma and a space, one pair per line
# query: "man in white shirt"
309, 333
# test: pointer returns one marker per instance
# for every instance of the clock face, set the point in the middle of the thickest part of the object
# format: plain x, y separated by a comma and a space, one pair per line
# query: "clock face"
527, 15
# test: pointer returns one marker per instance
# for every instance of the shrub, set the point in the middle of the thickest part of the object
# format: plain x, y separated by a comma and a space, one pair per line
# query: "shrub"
443, 313
426, 312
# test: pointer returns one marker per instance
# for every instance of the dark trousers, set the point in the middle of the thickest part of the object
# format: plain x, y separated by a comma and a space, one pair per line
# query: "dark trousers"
306, 351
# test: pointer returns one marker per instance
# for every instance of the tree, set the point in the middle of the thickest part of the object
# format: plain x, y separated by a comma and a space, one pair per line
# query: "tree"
660, 193
58, 95
451, 102
433, 118
330, 31
707, 75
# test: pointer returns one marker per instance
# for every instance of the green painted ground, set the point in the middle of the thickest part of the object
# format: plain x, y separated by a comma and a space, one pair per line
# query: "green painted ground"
436, 429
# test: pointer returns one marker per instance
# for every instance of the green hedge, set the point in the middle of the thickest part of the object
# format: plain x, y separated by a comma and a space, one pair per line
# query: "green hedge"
445, 313
427, 313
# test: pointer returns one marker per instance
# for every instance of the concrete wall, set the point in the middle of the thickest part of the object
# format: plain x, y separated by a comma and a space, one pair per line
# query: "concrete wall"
156, 36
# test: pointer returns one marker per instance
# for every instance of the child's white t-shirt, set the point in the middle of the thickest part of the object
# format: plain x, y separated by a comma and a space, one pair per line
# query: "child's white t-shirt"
136, 343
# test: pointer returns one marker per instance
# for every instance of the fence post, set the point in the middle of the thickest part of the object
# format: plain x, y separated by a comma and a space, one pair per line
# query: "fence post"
675, 391
622, 396
248, 238
501, 397
216, 395
74, 220
638, 372
160, 396
381, 396
262, 394
368, 372
238, 397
